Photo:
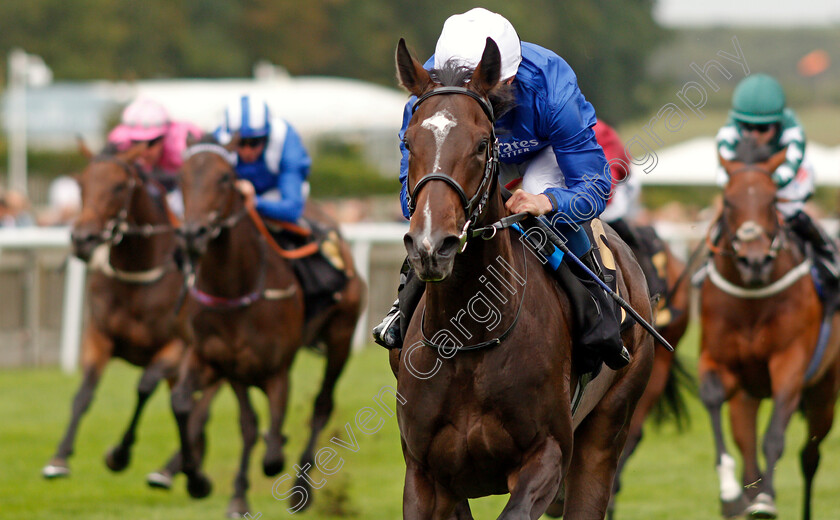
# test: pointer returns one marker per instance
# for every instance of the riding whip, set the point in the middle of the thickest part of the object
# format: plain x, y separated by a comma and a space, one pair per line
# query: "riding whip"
552, 235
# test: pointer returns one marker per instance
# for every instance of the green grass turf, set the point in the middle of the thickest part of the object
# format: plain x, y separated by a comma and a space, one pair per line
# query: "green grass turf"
671, 475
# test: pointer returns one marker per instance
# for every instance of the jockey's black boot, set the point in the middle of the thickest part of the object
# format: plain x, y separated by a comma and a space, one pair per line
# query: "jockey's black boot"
391, 331
603, 325
824, 254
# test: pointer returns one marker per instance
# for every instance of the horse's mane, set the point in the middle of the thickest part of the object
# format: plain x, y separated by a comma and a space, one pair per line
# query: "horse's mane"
208, 138
109, 150
750, 152
502, 98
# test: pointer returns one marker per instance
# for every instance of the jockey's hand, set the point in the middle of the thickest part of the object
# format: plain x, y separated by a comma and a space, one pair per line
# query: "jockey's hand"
247, 190
524, 202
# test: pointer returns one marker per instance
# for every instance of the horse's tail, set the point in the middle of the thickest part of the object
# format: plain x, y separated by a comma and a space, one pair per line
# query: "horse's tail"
672, 404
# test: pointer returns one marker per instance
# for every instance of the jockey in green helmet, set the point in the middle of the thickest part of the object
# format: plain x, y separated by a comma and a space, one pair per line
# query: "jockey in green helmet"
759, 113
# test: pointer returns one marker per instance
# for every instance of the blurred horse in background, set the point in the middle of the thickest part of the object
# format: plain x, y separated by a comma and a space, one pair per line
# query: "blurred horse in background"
765, 334
126, 233
663, 394
248, 312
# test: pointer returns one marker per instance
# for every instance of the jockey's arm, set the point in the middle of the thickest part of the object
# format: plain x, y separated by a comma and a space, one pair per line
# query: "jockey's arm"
293, 171
792, 138
582, 161
404, 157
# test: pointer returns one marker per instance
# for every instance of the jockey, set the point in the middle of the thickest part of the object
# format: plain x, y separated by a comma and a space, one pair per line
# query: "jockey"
546, 140
623, 205
147, 121
759, 113
271, 161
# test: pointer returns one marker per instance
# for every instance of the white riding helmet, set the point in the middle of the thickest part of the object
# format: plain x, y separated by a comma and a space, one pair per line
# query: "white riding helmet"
464, 36
248, 115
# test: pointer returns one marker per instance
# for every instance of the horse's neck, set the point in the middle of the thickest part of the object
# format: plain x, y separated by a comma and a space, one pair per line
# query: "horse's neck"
235, 261
487, 279
136, 252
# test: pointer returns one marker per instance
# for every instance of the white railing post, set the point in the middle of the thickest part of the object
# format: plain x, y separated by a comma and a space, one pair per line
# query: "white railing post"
72, 313
361, 258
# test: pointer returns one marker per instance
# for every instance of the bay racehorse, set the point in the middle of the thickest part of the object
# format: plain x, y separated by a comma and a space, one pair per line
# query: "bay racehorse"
127, 234
761, 318
663, 394
494, 415
247, 311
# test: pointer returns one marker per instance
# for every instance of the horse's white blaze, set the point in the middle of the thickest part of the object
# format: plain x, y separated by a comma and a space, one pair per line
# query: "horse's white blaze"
427, 228
440, 124
730, 489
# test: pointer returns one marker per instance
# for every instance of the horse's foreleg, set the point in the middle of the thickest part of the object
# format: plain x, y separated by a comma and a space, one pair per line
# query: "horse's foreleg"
189, 381
714, 393
248, 424
338, 339
423, 499
534, 486
162, 478
97, 351
818, 403
277, 391
167, 358
743, 410
786, 378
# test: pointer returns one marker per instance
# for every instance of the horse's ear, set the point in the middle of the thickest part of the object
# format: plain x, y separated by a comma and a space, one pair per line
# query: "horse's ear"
192, 140
233, 144
486, 75
775, 160
729, 166
83, 147
133, 152
410, 73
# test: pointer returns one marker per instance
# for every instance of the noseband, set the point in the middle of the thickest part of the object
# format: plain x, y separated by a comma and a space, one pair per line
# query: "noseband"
473, 206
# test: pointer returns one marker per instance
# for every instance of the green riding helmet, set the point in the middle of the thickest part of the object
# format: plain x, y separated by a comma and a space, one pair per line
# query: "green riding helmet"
758, 99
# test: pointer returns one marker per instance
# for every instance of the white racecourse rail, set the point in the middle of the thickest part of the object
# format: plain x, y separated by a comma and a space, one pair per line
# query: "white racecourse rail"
361, 237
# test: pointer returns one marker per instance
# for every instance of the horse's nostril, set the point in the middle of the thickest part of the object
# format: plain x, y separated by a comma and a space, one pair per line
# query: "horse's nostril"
449, 246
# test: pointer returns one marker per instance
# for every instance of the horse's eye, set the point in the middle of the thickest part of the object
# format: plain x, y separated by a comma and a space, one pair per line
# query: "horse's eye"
119, 188
482, 147
405, 144
225, 178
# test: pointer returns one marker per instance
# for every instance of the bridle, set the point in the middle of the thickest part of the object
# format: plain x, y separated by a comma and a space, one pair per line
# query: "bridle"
473, 206
748, 231
118, 227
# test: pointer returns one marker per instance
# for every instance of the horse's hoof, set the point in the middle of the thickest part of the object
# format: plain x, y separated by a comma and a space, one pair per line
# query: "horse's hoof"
734, 508
159, 480
304, 500
117, 459
273, 467
199, 486
238, 508
762, 507
56, 469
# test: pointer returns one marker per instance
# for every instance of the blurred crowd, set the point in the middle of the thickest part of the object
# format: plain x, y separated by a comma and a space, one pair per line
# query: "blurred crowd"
63, 205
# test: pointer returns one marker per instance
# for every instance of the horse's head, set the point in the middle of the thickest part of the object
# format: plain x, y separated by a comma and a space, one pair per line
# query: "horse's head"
750, 220
211, 200
451, 145
108, 186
